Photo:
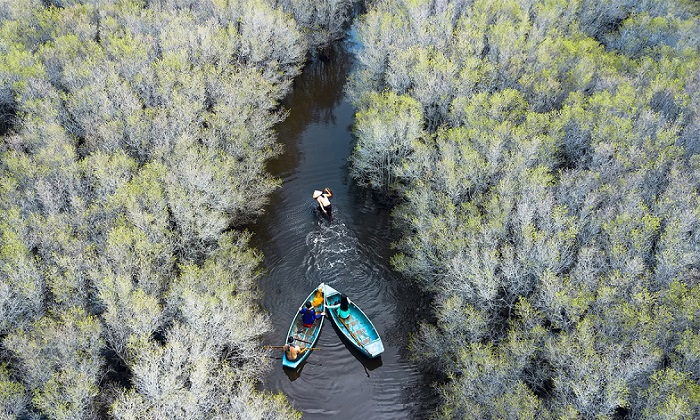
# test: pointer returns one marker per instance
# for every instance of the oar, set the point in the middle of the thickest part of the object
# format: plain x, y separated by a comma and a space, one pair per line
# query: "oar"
347, 327
281, 347
303, 341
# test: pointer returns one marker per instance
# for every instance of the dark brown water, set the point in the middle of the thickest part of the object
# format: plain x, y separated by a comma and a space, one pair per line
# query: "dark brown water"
351, 254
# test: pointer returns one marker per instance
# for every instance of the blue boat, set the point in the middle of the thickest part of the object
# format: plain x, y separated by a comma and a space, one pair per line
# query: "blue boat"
357, 328
305, 337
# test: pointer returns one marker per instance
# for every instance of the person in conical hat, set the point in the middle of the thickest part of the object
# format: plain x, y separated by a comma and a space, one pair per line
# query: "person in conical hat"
324, 204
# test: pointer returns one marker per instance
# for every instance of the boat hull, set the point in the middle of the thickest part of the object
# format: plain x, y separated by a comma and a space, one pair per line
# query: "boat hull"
357, 328
304, 337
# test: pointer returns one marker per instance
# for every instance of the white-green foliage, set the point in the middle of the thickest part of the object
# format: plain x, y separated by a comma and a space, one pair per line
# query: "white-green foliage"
386, 132
550, 204
191, 372
134, 134
13, 396
321, 21
214, 298
60, 360
20, 279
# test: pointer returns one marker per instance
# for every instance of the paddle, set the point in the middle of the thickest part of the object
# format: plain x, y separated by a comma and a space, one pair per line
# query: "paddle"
281, 347
303, 341
347, 327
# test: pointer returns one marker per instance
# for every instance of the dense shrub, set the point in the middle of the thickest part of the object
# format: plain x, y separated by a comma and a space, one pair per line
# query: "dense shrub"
550, 201
134, 140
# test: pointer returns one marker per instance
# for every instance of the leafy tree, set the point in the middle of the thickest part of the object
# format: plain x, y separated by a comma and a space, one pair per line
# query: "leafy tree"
271, 42
134, 134
381, 32
427, 75
671, 395
138, 245
21, 283
320, 21
552, 205
191, 372
385, 134
128, 311
63, 259
14, 400
61, 362
211, 298
183, 378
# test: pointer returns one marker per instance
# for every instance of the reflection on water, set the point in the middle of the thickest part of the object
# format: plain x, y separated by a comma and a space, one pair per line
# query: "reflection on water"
351, 254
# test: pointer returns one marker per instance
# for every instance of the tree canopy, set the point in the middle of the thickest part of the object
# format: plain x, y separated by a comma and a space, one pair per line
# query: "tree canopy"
134, 137
548, 197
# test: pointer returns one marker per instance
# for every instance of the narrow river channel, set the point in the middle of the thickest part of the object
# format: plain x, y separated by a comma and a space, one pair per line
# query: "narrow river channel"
351, 254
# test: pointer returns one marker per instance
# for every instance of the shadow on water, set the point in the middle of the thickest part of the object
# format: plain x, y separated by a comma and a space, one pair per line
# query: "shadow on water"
351, 253
294, 374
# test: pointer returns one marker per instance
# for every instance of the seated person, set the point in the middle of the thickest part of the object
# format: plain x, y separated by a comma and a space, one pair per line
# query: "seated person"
343, 307
292, 351
309, 315
318, 298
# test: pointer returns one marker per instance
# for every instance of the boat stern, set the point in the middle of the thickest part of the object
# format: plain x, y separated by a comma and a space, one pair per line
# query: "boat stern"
374, 348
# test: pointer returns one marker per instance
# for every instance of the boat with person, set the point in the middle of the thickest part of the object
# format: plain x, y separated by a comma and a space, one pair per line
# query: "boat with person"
305, 337
356, 327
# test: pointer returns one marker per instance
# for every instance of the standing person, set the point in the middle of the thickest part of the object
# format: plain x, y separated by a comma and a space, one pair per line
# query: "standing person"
309, 315
293, 351
322, 197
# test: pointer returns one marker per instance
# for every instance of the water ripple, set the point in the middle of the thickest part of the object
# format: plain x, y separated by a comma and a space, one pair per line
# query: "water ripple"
351, 253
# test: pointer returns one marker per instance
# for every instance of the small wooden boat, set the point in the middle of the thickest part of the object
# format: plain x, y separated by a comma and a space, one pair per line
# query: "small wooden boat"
305, 337
357, 328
